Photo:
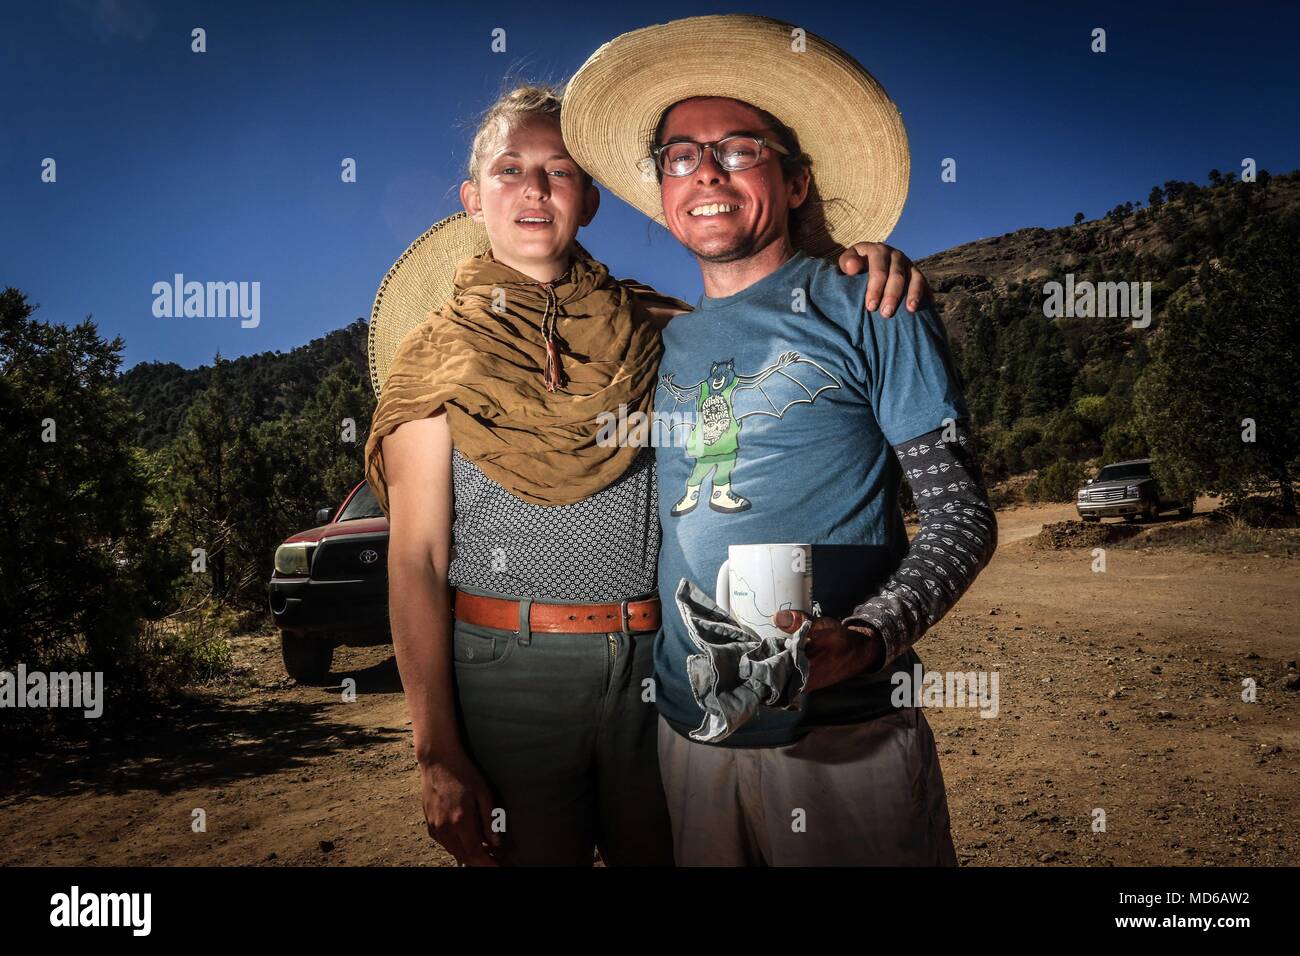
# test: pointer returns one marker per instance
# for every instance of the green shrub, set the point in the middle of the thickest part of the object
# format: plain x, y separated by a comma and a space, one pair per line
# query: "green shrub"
1059, 481
1123, 441
192, 649
1092, 409
1017, 449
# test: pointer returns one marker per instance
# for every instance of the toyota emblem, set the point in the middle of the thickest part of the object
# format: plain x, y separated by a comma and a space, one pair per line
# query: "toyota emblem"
369, 556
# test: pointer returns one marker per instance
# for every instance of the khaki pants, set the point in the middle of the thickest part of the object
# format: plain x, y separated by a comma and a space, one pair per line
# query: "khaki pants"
868, 794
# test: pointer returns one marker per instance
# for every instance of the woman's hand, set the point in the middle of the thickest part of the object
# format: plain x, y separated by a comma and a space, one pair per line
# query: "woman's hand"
458, 808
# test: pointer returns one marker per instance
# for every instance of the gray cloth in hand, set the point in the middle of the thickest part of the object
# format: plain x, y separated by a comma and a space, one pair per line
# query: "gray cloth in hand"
736, 671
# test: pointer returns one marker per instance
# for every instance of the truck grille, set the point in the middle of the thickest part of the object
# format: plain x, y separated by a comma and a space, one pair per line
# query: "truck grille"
1107, 494
353, 558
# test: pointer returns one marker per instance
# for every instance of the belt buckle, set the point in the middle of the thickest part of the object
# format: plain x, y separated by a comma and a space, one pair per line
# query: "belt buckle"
623, 617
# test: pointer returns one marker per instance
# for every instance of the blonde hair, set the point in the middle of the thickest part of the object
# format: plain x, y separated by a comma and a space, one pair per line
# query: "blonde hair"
507, 112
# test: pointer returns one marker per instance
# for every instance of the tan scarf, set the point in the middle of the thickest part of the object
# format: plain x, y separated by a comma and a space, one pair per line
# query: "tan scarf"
527, 414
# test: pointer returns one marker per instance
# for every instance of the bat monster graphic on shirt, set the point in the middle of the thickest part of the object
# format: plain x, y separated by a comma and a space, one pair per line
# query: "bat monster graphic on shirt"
722, 403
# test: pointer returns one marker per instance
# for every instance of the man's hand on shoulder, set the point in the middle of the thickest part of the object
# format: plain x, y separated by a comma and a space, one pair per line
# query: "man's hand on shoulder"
890, 275
835, 652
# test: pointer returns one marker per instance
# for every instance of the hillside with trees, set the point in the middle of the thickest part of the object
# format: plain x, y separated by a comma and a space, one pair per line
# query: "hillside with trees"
1048, 395
276, 382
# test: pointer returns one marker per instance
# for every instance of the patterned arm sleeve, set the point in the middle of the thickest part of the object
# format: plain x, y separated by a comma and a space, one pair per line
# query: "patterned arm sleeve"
957, 538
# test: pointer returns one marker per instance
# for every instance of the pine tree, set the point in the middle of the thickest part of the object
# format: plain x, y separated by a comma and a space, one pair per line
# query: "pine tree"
980, 362
337, 419
212, 467
78, 568
318, 452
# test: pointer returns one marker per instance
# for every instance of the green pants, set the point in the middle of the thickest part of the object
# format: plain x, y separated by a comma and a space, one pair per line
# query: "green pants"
706, 463
559, 726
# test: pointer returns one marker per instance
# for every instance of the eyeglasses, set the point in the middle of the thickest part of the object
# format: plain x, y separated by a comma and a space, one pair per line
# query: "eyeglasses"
734, 153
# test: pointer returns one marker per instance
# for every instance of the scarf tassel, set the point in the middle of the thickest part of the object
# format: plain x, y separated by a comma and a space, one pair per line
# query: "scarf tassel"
553, 376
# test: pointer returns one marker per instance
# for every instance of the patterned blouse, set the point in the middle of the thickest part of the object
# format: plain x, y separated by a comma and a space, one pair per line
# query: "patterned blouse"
603, 548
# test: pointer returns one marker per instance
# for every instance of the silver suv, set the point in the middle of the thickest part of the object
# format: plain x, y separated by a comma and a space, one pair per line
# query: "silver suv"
1127, 489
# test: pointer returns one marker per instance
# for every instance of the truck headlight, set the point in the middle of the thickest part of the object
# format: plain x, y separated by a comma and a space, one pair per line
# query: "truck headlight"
294, 557
1133, 491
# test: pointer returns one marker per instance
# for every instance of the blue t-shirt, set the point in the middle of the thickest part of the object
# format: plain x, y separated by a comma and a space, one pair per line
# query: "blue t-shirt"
806, 441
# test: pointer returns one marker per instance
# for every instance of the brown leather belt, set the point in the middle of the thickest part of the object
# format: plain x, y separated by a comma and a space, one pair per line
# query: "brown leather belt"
503, 614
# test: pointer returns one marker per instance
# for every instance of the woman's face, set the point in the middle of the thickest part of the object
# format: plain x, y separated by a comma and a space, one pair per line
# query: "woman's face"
531, 197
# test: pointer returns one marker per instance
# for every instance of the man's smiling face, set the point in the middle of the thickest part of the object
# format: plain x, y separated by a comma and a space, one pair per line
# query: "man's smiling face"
724, 216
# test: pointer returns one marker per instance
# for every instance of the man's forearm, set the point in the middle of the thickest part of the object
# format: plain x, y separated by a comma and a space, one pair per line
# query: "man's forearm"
957, 537
420, 616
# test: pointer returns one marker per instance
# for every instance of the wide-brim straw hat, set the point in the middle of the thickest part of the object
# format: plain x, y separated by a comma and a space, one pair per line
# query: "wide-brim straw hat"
843, 117
420, 281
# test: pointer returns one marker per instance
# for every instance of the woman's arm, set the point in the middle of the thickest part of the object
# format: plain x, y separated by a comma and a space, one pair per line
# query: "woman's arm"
417, 460
417, 463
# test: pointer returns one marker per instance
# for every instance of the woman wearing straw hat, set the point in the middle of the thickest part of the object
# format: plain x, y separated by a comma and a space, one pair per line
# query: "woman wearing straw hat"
760, 147
497, 343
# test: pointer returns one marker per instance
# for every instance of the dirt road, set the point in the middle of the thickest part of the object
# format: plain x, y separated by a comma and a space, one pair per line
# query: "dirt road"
1119, 691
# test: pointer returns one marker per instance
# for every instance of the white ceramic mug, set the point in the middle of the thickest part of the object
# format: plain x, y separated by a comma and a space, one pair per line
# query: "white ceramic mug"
757, 580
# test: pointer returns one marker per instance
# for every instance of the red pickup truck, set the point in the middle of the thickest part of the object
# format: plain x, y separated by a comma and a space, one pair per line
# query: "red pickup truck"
330, 586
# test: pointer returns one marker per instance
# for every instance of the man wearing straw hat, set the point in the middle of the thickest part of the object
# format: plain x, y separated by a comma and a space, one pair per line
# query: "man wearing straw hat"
762, 148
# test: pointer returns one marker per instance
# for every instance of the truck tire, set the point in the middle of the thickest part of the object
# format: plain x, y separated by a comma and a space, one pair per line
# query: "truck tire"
307, 659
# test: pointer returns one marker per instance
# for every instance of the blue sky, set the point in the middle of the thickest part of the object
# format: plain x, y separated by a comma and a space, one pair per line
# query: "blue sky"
224, 166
